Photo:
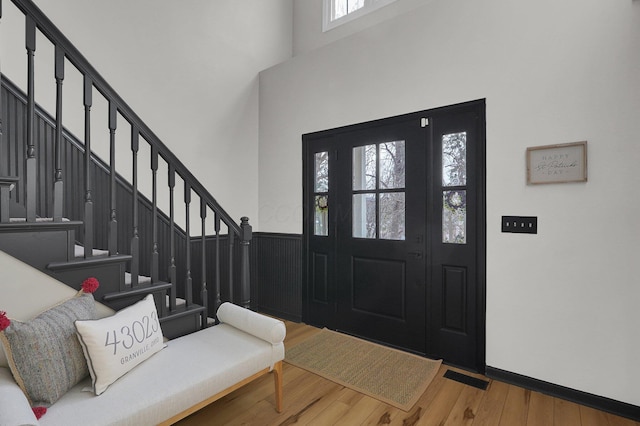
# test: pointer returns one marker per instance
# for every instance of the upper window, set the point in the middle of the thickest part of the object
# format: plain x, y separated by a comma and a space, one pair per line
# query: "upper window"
338, 12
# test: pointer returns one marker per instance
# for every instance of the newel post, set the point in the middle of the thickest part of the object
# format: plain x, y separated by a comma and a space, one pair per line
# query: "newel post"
245, 272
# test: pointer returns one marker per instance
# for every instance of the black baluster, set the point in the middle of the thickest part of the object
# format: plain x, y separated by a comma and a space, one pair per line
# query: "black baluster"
88, 202
203, 292
172, 240
58, 188
135, 239
188, 292
232, 237
217, 228
30, 161
113, 222
154, 255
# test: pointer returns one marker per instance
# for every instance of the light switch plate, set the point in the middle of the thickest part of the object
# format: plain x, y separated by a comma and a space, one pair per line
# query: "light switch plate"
520, 224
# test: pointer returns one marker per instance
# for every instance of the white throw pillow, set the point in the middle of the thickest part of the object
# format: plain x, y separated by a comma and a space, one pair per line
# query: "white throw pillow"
116, 344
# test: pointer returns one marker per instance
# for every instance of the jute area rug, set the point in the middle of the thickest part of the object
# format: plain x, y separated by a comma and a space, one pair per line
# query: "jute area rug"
389, 375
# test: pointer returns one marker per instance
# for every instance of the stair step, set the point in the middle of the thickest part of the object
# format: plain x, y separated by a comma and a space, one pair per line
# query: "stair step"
41, 224
183, 320
81, 262
141, 279
179, 301
108, 270
142, 290
183, 311
79, 251
9, 180
38, 243
38, 219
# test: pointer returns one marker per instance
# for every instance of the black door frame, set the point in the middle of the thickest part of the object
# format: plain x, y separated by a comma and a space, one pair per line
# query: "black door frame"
479, 105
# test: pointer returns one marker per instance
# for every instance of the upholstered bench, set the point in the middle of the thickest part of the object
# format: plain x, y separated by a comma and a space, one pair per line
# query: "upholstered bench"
189, 373
182, 377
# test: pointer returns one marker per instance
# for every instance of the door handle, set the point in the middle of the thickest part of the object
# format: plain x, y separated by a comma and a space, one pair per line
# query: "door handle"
416, 254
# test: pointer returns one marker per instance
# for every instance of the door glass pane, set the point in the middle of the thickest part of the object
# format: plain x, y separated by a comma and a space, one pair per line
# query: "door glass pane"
392, 165
454, 217
454, 159
321, 172
392, 221
364, 215
322, 215
364, 167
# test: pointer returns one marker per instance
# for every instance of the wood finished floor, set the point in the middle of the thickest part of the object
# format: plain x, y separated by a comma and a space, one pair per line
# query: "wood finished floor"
312, 400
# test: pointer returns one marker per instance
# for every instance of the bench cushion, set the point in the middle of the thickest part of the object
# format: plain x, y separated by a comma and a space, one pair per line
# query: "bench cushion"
14, 407
188, 371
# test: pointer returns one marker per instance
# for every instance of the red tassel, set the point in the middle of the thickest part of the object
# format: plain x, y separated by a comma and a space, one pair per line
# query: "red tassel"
90, 285
4, 321
39, 411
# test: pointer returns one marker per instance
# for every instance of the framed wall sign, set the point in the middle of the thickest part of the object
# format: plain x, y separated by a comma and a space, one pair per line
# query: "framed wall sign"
557, 163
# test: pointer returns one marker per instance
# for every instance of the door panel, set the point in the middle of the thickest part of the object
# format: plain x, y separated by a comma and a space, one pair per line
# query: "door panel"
454, 325
320, 275
370, 285
381, 289
454, 298
319, 230
394, 232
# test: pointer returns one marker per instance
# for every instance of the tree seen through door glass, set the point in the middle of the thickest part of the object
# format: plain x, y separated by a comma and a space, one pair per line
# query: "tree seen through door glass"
454, 159
378, 182
392, 168
454, 194
364, 215
392, 216
321, 198
322, 172
364, 167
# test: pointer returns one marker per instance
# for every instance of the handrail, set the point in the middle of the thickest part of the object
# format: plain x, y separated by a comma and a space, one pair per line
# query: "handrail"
54, 35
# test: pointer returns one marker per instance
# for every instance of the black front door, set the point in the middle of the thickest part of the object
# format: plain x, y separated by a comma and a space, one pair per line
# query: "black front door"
391, 231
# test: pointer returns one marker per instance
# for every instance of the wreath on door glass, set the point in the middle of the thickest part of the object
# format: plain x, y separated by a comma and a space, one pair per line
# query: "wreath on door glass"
456, 199
322, 202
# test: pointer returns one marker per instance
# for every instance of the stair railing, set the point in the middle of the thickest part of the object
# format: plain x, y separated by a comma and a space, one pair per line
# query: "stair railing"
66, 51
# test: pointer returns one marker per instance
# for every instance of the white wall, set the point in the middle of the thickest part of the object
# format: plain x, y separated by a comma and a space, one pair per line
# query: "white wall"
189, 70
562, 305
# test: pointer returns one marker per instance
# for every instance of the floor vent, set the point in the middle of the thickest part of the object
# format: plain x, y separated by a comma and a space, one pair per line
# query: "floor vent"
467, 380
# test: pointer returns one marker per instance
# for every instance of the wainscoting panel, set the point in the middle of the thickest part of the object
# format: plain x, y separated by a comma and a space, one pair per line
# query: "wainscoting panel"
276, 274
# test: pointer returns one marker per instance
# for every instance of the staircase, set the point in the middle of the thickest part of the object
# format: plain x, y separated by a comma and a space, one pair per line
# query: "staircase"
67, 212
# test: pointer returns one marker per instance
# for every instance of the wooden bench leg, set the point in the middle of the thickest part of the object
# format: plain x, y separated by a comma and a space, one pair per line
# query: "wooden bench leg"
277, 376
